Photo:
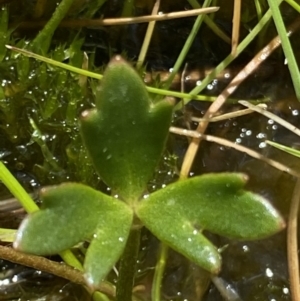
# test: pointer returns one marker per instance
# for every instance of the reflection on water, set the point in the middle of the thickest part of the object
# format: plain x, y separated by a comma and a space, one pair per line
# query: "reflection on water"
257, 270
21, 283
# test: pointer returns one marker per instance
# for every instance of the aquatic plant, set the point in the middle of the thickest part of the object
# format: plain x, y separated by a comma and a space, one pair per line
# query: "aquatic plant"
134, 207
125, 153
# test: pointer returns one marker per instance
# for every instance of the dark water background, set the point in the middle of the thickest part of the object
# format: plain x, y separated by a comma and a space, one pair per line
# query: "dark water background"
256, 270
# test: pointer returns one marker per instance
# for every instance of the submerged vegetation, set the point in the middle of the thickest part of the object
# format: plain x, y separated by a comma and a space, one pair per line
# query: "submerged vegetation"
41, 101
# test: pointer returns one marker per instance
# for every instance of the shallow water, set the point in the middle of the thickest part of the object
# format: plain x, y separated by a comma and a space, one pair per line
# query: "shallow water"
21, 283
254, 270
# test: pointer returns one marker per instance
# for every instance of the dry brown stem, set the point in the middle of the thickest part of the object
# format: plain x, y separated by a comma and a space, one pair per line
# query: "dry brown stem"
260, 57
43, 264
238, 147
236, 26
98, 23
292, 244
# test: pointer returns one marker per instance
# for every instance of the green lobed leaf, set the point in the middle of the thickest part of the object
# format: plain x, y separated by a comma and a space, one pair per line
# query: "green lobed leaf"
214, 202
175, 230
70, 213
126, 133
107, 245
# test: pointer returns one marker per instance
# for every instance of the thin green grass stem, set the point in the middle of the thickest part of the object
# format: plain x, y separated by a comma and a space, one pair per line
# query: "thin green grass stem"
98, 296
7, 235
294, 5
69, 258
127, 268
56, 63
159, 272
286, 45
262, 37
246, 41
17, 190
163, 92
211, 24
127, 10
93, 7
42, 41
100, 76
289, 150
241, 47
4, 32
148, 36
188, 43
38, 138
259, 9
212, 15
